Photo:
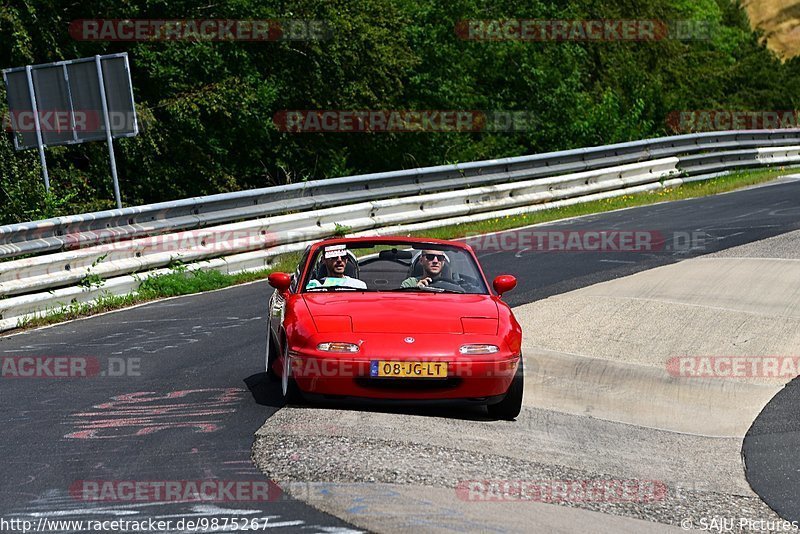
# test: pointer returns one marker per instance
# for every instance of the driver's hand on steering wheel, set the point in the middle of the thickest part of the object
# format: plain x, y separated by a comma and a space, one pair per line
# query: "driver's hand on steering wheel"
424, 282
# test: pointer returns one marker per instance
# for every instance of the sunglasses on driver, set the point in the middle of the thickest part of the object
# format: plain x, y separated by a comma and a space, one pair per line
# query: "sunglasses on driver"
438, 257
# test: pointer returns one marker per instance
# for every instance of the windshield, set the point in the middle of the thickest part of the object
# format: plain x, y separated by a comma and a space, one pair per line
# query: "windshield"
398, 267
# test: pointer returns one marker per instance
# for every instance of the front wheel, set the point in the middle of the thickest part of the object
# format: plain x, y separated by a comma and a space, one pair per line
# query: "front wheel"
508, 408
291, 393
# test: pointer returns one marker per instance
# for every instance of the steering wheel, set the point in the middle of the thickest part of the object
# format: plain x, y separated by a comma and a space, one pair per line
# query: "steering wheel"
444, 284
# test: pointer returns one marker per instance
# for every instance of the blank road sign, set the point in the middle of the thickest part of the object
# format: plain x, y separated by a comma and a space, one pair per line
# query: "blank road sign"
68, 101
52, 93
20, 108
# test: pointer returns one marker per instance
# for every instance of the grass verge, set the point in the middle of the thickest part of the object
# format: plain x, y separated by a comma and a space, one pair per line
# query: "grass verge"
179, 282
184, 282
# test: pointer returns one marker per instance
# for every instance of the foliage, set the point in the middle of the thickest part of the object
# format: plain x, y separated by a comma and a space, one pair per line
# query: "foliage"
341, 230
207, 107
93, 280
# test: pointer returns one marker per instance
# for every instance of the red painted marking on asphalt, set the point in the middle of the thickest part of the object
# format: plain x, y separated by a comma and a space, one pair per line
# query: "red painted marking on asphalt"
144, 413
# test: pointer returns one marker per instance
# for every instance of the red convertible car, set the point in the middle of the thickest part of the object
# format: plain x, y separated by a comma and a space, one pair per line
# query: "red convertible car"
395, 318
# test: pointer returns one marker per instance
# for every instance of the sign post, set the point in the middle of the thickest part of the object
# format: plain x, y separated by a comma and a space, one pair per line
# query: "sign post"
38, 127
107, 123
71, 102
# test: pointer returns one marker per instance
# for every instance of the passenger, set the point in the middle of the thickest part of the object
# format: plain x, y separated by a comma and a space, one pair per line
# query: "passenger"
432, 262
336, 262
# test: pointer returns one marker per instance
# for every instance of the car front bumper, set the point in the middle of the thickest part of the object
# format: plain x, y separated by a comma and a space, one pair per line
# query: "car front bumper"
475, 377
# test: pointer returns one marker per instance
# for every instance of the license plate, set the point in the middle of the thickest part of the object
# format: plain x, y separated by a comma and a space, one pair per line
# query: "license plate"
395, 369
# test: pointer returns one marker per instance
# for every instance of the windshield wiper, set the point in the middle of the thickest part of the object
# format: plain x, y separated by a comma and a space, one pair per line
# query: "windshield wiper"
412, 288
427, 289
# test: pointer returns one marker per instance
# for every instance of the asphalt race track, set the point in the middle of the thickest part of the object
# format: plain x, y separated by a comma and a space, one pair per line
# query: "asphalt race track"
61, 431
770, 453
689, 228
179, 388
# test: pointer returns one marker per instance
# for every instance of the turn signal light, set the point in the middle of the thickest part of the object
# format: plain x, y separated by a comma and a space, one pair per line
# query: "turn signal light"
477, 348
338, 347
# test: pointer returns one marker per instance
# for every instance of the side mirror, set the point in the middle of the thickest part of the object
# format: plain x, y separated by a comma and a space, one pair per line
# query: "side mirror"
280, 281
504, 283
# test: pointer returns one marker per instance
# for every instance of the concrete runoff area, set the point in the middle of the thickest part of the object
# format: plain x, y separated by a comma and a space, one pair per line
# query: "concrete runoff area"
619, 337
642, 395
600, 405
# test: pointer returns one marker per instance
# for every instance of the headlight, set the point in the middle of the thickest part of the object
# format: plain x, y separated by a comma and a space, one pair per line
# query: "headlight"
336, 346
477, 348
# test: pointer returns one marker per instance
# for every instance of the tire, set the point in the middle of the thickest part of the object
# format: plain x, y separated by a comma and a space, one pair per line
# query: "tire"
508, 408
291, 393
272, 356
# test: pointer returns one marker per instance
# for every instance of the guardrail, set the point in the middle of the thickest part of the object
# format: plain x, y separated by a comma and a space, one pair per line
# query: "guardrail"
82, 230
245, 230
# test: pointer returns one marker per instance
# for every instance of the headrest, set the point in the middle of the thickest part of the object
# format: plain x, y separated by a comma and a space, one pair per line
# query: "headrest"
394, 254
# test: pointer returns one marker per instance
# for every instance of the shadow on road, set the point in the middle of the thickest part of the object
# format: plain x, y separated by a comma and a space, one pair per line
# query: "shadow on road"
268, 393
265, 392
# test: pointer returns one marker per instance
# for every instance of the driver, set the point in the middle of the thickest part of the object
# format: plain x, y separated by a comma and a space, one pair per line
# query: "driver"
432, 262
335, 261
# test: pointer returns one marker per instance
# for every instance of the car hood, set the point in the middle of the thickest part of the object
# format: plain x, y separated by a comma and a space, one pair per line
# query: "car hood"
423, 313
